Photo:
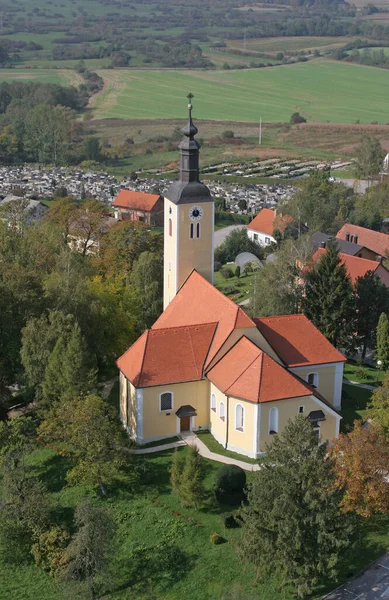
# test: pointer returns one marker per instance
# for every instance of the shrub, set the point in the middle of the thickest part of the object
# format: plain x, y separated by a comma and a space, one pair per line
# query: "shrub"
48, 550
297, 118
217, 266
231, 521
228, 134
237, 272
230, 482
226, 272
215, 538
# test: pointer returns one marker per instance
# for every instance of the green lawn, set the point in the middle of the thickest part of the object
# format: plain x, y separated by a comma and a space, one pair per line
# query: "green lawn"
371, 375
59, 76
234, 288
321, 90
214, 446
162, 551
354, 402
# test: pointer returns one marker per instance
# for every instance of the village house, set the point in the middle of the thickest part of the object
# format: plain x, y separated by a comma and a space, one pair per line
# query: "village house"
205, 364
374, 243
358, 267
139, 206
262, 227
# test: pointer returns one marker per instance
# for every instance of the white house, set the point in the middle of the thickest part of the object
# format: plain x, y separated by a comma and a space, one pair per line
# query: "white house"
263, 225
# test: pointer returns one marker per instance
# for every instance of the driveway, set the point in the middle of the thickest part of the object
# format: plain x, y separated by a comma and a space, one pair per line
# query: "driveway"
371, 584
221, 234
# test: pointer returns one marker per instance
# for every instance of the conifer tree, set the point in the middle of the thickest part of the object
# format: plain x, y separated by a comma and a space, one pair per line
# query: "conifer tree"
372, 299
383, 341
293, 527
176, 472
329, 300
191, 491
378, 407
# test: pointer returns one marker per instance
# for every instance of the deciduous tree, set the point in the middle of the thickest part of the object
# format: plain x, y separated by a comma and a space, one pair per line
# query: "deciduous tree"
361, 463
378, 408
368, 157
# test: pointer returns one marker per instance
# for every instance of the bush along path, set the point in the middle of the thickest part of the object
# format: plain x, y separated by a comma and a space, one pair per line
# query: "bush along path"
191, 438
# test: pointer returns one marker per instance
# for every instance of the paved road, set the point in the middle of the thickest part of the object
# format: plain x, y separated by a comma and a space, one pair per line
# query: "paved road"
221, 235
372, 584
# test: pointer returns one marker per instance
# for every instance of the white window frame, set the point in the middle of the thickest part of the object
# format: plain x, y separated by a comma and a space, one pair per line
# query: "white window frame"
222, 413
273, 410
213, 403
241, 429
315, 379
165, 410
301, 412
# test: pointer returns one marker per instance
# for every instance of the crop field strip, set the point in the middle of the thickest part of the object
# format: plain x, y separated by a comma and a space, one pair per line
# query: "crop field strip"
59, 76
323, 91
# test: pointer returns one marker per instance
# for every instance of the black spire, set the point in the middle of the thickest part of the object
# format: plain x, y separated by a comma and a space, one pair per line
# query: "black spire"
189, 150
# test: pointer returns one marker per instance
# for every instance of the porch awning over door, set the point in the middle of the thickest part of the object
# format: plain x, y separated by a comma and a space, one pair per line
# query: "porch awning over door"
186, 411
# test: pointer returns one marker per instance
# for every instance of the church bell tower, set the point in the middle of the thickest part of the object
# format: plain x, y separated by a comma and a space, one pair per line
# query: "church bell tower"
189, 219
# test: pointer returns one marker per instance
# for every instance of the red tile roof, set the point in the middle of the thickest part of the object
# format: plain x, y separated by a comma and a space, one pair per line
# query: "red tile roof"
168, 355
356, 267
267, 221
136, 200
246, 372
297, 341
373, 240
198, 301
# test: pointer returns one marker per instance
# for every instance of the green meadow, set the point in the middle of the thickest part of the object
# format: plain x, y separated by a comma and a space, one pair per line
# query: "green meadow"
59, 76
322, 91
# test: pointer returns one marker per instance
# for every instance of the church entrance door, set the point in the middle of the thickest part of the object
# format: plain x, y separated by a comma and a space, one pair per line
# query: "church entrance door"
184, 423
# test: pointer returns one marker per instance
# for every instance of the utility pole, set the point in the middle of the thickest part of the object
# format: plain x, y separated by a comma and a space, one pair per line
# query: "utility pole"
260, 131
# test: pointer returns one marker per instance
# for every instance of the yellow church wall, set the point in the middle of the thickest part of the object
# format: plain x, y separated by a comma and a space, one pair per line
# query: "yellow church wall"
157, 424
218, 427
242, 441
289, 409
326, 378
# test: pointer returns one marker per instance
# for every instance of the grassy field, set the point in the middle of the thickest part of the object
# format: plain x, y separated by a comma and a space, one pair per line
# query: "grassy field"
240, 287
59, 76
321, 90
363, 374
354, 402
290, 44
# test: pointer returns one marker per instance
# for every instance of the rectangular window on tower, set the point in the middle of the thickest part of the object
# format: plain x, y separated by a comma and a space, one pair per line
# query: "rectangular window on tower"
170, 228
197, 230
191, 231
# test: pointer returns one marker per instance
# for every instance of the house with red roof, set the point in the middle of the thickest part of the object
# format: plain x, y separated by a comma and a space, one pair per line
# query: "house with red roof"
205, 364
262, 227
139, 206
374, 243
358, 267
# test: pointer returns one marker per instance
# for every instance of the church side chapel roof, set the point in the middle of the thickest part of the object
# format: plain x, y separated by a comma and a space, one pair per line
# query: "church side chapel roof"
297, 341
168, 355
198, 301
248, 373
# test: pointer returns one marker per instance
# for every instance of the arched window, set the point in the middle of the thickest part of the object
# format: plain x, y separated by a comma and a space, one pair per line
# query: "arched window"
197, 230
166, 401
213, 402
273, 420
191, 231
222, 414
313, 379
239, 417
170, 227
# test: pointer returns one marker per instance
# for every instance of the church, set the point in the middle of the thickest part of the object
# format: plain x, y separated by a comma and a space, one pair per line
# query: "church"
204, 364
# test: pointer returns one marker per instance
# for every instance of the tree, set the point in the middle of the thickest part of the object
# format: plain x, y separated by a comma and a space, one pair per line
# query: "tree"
48, 131
382, 349
88, 428
277, 288
361, 461
88, 224
62, 212
147, 282
368, 157
92, 149
191, 490
328, 299
68, 372
87, 554
176, 472
378, 407
293, 527
237, 241
297, 118
237, 272
372, 299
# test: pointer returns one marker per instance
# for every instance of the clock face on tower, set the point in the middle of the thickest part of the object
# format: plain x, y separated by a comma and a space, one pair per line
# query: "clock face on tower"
195, 213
